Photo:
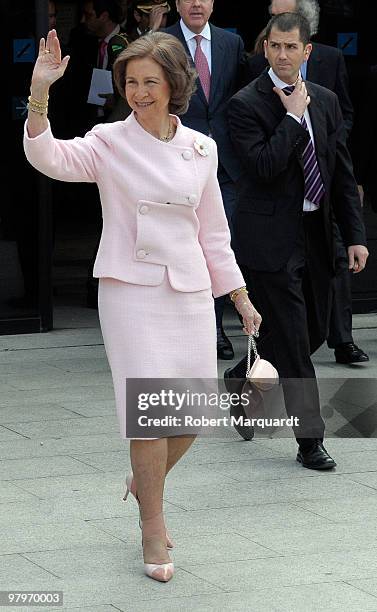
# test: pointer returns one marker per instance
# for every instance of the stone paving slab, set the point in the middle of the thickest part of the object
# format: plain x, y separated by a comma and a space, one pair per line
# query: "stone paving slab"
51, 536
324, 597
224, 452
279, 571
90, 485
105, 561
203, 523
67, 427
87, 591
99, 364
288, 490
343, 510
367, 585
58, 338
110, 461
47, 466
57, 396
94, 408
288, 448
260, 469
45, 412
18, 368
79, 507
316, 538
57, 380
75, 445
97, 561
367, 478
10, 492
7, 434
18, 568
25, 355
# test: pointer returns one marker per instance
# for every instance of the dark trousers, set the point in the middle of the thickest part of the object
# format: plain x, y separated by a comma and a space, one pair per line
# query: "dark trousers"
294, 304
340, 328
228, 193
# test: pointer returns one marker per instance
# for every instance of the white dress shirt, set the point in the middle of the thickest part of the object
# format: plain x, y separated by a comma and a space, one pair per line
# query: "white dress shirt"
205, 43
308, 206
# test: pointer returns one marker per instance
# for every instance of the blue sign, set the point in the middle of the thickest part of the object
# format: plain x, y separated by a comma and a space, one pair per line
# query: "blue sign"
23, 50
19, 107
348, 43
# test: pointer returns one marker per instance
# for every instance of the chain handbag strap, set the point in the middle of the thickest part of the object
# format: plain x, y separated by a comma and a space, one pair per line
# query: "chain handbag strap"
251, 346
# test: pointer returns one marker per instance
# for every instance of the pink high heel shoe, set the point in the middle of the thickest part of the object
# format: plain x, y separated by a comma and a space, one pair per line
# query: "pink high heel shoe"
131, 488
162, 573
153, 550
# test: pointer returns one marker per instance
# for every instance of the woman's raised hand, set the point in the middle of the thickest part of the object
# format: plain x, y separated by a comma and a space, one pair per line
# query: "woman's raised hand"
49, 66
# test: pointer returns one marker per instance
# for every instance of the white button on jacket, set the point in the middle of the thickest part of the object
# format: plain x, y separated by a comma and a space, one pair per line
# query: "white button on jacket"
193, 198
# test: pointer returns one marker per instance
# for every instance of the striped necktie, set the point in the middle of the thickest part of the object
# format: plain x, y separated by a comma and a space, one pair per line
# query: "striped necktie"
314, 187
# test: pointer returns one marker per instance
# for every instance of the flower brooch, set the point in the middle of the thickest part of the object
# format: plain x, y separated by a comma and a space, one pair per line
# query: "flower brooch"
201, 147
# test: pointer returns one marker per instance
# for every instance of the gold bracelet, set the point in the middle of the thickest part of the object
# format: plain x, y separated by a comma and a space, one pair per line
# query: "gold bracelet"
34, 109
37, 102
234, 294
36, 106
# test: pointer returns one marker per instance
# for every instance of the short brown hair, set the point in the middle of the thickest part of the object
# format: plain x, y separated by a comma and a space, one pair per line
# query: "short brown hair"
170, 54
286, 22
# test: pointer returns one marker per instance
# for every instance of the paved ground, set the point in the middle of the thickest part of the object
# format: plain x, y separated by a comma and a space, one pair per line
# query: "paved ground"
253, 530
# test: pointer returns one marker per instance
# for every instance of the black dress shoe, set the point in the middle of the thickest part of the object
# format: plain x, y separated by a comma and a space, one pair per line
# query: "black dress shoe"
350, 353
224, 346
315, 457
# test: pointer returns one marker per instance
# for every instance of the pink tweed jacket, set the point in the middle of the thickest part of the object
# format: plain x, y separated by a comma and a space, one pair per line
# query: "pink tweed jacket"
161, 203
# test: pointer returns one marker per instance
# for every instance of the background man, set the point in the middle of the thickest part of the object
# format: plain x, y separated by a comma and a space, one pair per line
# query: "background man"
325, 66
148, 16
292, 143
91, 46
217, 56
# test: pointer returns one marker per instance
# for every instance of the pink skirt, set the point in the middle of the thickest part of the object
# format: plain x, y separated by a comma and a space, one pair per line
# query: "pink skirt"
155, 332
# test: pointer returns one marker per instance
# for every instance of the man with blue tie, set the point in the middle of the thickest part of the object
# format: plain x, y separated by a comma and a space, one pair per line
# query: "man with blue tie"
217, 56
292, 143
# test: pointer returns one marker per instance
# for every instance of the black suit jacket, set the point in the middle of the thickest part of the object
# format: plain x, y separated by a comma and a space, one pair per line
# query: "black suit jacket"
270, 192
211, 117
326, 67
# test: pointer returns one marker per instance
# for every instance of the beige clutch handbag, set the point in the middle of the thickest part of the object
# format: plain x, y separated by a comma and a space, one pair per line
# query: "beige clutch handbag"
262, 373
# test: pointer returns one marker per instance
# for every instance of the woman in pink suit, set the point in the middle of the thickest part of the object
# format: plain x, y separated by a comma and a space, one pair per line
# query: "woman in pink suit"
165, 247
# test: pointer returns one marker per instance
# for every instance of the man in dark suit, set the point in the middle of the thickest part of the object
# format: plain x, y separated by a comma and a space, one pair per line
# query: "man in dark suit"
217, 55
325, 67
291, 140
